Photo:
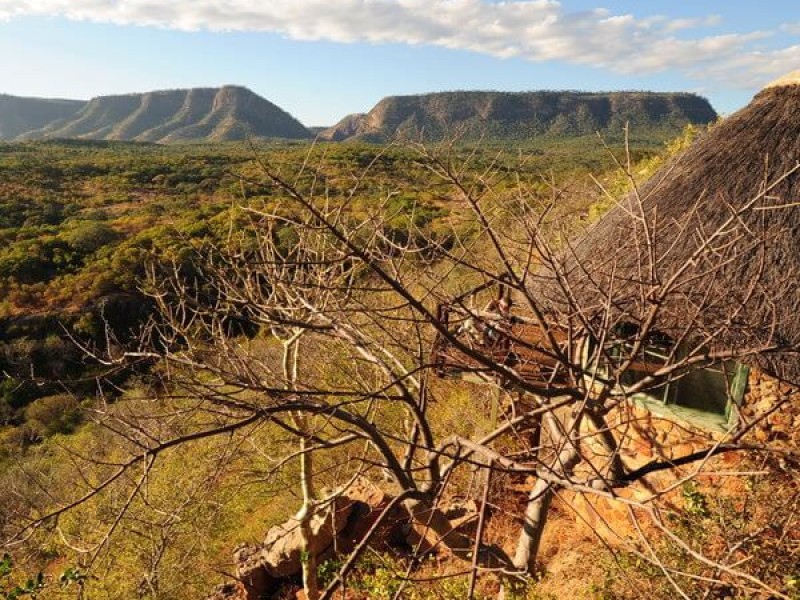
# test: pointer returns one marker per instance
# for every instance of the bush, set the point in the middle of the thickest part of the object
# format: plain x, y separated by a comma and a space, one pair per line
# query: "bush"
54, 414
88, 236
16, 439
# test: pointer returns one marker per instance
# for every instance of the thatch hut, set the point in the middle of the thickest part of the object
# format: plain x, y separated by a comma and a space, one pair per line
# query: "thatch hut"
712, 240
724, 216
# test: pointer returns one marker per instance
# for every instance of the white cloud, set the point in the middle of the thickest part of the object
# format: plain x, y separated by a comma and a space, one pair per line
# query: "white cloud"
536, 30
791, 28
681, 24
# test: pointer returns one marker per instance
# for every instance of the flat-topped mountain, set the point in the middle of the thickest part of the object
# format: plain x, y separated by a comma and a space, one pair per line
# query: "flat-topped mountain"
18, 114
522, 115
211, 114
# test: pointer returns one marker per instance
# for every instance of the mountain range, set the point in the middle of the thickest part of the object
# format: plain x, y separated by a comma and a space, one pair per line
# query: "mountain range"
235, 113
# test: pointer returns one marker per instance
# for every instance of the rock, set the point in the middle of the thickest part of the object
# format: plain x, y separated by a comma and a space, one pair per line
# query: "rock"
369, 502
283, 545
252, 572
363, 490
227, 591
266, 570
780, 421
763, 405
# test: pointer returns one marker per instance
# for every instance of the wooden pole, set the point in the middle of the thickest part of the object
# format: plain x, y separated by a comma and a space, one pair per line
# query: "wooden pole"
479, 534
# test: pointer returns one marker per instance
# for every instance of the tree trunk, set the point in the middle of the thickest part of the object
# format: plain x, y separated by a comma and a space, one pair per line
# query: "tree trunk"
309, 558
541, 495
535, 519
306, 514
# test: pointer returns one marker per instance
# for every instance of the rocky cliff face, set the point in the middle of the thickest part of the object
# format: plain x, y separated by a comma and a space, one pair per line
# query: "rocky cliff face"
519, 116
18, 115
212, 114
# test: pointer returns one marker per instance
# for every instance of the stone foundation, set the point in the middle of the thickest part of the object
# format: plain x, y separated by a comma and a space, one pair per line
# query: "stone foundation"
769, 415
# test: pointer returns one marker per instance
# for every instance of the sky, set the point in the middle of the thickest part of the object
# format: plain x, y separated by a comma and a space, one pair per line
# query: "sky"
323, 59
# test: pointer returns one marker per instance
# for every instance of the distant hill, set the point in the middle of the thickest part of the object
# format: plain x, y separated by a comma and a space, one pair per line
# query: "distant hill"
18, 115
523, 115
207, 114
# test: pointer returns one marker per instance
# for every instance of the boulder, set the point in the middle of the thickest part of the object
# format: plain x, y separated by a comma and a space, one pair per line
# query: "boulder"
369, 502
227, 591
283, 545
251, 570
265, 570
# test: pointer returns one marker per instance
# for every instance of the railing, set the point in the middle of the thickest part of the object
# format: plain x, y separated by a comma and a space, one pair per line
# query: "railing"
515, 342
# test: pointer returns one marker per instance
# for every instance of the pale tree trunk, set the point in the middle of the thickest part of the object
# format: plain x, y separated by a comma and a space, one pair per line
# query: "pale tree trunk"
307, 511
541, 495
306, 514
535, 518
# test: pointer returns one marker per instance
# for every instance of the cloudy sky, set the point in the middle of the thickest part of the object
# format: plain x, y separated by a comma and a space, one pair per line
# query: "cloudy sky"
321, 59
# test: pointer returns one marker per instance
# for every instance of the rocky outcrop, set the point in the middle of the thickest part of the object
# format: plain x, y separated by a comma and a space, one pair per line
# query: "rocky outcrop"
283, 546
263, 570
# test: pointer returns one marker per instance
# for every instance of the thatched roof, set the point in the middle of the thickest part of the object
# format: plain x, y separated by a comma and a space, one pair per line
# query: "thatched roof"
748, 280
789, 79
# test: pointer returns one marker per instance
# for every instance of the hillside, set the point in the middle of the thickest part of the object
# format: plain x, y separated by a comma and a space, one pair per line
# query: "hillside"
208, 114
93, 231
18, 114
524, 115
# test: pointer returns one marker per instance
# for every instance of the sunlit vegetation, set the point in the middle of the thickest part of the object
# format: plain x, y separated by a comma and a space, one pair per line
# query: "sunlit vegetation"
80, 220
81, 223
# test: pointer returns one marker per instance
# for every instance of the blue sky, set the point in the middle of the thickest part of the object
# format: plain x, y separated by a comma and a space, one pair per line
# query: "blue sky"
322, 59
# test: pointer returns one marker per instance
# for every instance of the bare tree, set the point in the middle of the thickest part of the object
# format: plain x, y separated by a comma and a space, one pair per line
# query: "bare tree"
358, 319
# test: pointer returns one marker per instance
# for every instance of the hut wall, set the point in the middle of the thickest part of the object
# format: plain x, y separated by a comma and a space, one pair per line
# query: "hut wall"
648, 438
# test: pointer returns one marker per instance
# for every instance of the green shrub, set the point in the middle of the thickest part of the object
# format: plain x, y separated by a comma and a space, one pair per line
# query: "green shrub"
16, 439
10, 590
88, 236
54, 414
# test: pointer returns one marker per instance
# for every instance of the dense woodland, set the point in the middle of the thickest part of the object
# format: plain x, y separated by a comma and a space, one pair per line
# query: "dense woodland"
79, 221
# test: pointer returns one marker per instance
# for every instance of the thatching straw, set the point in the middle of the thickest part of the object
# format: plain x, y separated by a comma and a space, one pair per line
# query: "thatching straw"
792, 78
749, 285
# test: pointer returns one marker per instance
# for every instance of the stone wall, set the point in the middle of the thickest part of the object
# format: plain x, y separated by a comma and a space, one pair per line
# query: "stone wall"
769, 415
778, 404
